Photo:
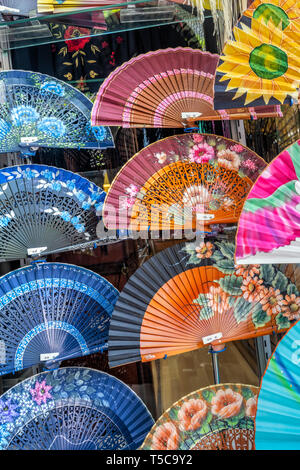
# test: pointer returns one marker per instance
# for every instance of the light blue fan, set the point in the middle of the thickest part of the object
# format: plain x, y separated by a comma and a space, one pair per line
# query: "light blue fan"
44, 209
22, 7
50, 312
72, 408
37, 110
278, 409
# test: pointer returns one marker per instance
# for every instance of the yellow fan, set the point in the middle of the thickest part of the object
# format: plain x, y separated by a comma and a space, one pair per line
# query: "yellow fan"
65, 6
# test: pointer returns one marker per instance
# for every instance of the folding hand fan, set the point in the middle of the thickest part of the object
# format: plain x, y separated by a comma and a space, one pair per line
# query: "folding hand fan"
65, 6
37, 110
73, 408
189, 178
261, 64
192, 295
43, 209
50, 312
164, 88
269, 229
23, 8
277, 422
218, 417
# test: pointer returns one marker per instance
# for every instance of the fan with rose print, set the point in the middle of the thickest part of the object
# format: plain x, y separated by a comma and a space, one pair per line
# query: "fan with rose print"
219, 417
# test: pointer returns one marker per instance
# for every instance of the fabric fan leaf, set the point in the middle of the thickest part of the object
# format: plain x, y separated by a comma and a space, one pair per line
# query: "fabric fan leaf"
231, 284
71, 418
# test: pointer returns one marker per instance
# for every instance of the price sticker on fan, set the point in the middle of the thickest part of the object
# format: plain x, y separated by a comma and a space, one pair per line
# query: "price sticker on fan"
211, 338
29, 140
36, 251
48, 357
202, 216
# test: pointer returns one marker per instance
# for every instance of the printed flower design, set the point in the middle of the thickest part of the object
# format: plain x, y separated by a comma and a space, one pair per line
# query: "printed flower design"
227, 202
226, 403
291, 307
132, 190
251, 407
198, 138
22, 114
272, 302
53, 87
217, 300
52, 127
196, 195
166, 437
252, 288
204, 250
7, 411
74, 39
201, 153
249, 165
237, 148
161, 157
192, 414
40, 393
99, 132
228, 159
247, 270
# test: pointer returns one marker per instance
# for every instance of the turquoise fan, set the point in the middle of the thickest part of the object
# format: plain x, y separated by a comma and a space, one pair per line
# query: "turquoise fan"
37, 110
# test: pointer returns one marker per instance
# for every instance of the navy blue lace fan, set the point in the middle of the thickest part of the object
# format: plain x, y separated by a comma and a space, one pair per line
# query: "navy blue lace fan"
72, 408
37, 110
45, 209
50, 312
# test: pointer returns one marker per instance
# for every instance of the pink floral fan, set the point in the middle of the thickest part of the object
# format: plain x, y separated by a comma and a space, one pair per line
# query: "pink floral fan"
165, 88
183, 181
269, 226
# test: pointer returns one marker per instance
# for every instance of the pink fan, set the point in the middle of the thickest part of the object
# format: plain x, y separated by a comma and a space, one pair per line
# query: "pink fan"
269, 226
165, 88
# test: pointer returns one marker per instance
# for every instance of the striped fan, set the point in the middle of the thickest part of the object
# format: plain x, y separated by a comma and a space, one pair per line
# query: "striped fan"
37, 110
261, 64
181, 180
219, 417
43, 209
269, 224
191, 295
73, 408
22, 8
165, 88
66, 6
50, 312
278, 408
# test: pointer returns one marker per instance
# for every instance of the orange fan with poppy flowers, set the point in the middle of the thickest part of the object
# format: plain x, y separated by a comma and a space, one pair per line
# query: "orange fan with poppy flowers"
219, 417
182, 182
192, 295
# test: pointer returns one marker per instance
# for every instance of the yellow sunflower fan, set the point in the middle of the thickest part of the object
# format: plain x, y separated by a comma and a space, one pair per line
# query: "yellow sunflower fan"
261, 63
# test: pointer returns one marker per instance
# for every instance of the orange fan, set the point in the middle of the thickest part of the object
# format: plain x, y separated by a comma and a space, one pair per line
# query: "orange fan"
165, 88
182, 182
192, 295
219, 417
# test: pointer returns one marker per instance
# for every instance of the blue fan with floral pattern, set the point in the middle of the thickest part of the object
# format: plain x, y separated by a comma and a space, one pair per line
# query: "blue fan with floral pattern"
50, 312
44, 209
37, 110
73, 408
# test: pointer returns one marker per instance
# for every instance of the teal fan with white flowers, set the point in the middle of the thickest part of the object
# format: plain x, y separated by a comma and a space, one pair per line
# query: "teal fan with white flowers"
37, 110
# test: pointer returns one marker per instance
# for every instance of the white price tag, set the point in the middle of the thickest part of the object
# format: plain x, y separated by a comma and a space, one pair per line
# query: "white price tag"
36, 251
211, 338
48, 357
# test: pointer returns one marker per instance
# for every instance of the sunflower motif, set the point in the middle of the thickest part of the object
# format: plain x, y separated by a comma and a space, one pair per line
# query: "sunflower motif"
284, 13
262, 61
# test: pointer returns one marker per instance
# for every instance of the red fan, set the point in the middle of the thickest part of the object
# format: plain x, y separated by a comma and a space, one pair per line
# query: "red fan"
165, 88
